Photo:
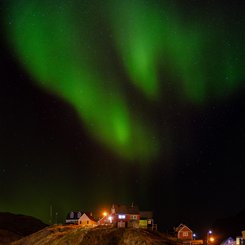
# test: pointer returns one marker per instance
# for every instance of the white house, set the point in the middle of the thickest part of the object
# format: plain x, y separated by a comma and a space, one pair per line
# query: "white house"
87, 220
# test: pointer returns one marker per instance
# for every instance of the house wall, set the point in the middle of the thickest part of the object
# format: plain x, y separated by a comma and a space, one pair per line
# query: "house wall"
103, 221
146, 223
71, 221
130, 220
240, 240
185, 234
85, 221
143, 223
128, 217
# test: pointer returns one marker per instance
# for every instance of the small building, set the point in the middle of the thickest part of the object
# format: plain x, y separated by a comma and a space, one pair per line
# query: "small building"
228, 241
87, 219
125, 216
81, 218
105, 220
243, 235
184, 232
240, 240
122, 216
73, 217
146, 220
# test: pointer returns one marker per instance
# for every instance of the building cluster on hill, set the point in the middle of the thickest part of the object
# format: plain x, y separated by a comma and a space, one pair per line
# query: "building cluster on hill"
126, 216
122, 216
184, 234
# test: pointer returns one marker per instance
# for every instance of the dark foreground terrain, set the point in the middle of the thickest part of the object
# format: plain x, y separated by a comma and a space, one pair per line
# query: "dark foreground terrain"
100, 235
14, 227
26, 230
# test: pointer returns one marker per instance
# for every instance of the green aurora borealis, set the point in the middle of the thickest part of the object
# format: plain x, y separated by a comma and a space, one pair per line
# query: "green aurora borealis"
93, 55
123, 101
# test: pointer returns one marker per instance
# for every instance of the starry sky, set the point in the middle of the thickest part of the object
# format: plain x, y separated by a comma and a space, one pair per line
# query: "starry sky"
123, 101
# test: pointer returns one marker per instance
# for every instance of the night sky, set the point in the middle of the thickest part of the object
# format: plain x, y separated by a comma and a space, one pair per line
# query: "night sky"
120, 102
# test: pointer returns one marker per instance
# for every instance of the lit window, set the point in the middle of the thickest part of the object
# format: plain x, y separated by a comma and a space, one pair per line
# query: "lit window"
185, 233
71, 215
121, 216
134, 217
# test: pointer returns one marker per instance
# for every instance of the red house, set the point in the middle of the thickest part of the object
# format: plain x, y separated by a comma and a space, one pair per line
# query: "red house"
122, 216
184, 232
126, 216
106, 220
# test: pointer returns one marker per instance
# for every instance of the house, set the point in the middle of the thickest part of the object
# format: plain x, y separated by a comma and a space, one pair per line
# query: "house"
86, 219
73, 217
125, 216
122, 216
183, 232
105, 220
240, 240
146, 220
81, 218
228, 241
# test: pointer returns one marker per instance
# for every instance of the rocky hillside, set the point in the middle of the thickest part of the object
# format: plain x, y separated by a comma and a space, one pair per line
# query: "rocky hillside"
73, 234
14, 227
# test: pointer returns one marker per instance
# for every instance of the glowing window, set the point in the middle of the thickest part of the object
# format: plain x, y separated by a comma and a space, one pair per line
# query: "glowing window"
185, 233
72, 215
133, 217
121, 216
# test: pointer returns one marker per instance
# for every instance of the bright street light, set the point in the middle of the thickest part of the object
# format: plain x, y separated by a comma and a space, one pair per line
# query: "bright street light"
209, 238
110, 219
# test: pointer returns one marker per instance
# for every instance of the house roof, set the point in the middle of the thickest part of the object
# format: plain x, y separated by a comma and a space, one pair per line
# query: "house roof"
103, 219
182, 226
90, 216
229, 240
125, 209
75, 215
146, 214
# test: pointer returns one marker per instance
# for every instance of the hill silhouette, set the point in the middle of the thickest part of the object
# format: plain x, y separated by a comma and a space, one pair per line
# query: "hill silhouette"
15, 226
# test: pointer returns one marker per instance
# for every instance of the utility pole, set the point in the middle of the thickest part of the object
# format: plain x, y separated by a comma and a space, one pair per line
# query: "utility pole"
56, 218
51, 214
